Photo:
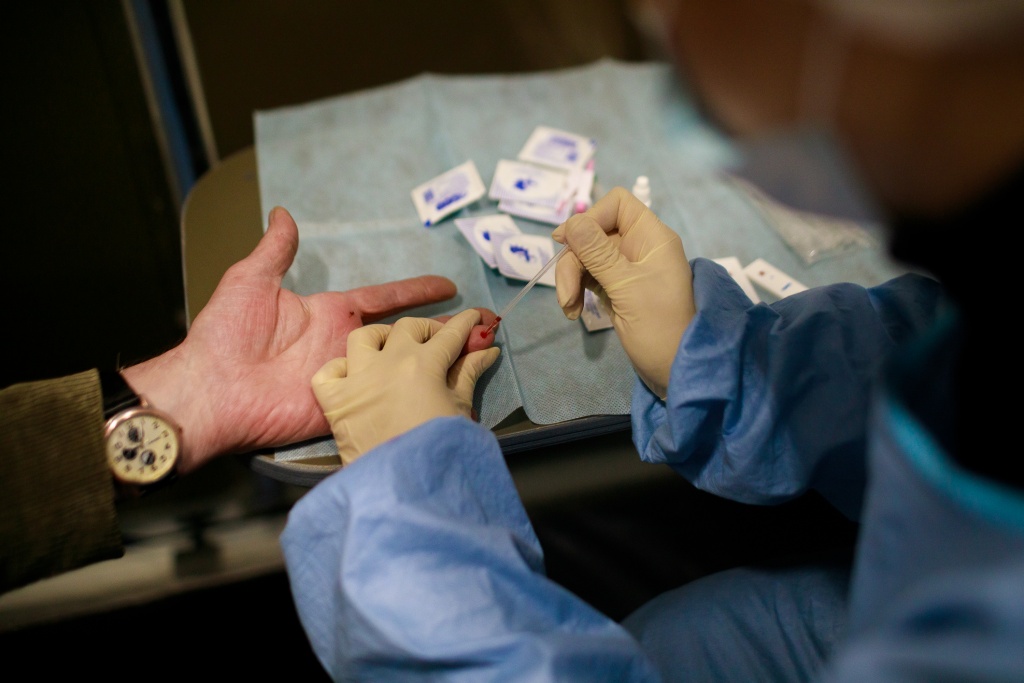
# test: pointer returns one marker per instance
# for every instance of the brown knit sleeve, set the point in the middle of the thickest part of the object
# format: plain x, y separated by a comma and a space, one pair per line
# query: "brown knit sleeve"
57, 509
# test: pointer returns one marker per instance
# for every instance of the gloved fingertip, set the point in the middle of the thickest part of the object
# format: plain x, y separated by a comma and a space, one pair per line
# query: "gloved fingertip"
333, 369
568, 299
565, 288
485, 358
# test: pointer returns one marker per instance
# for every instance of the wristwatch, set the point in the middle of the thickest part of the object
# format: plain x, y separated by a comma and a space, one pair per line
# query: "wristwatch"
142, 443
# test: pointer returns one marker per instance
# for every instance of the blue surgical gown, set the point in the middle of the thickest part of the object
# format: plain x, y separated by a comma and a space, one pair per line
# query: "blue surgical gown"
418, 560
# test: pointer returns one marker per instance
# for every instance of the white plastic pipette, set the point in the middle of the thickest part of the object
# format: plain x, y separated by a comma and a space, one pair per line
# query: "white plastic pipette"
529, 285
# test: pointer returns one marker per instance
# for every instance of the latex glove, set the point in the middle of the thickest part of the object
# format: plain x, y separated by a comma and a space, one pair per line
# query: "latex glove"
397, 377
626, 255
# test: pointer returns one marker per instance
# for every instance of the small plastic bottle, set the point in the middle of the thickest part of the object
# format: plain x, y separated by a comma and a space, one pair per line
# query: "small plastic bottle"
642, 190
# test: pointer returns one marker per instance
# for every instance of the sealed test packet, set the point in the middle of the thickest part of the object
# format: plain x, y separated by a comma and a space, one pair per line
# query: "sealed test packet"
596, 314
483, 231
536, 212
557, 148
525, 182
521, 256
448, 192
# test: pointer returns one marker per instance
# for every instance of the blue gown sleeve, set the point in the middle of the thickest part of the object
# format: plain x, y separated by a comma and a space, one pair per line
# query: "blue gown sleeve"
768, 401
420, 559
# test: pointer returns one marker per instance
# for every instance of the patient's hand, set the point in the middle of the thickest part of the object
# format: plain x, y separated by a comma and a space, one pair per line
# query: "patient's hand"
240, 381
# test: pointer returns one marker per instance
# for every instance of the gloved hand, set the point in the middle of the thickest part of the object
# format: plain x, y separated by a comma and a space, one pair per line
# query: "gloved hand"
397, 377
621, 251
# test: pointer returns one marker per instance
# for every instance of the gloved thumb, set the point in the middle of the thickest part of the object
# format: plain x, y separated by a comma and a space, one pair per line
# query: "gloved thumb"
326, 384
464, 373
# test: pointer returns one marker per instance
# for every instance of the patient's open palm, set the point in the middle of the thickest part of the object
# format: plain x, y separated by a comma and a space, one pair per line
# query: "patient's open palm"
250, 354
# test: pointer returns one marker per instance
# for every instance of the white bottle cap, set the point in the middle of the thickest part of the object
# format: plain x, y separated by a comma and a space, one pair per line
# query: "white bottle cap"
642, 190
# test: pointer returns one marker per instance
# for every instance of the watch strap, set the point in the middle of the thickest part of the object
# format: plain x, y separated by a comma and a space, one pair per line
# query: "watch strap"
117, 394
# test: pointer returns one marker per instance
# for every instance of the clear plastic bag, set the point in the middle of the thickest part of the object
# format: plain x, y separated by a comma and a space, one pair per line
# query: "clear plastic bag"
810, 235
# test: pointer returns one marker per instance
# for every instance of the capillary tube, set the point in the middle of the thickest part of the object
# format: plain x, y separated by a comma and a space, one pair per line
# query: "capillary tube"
529, 285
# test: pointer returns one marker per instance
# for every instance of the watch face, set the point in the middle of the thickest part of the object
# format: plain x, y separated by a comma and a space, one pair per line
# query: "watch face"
142, 446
